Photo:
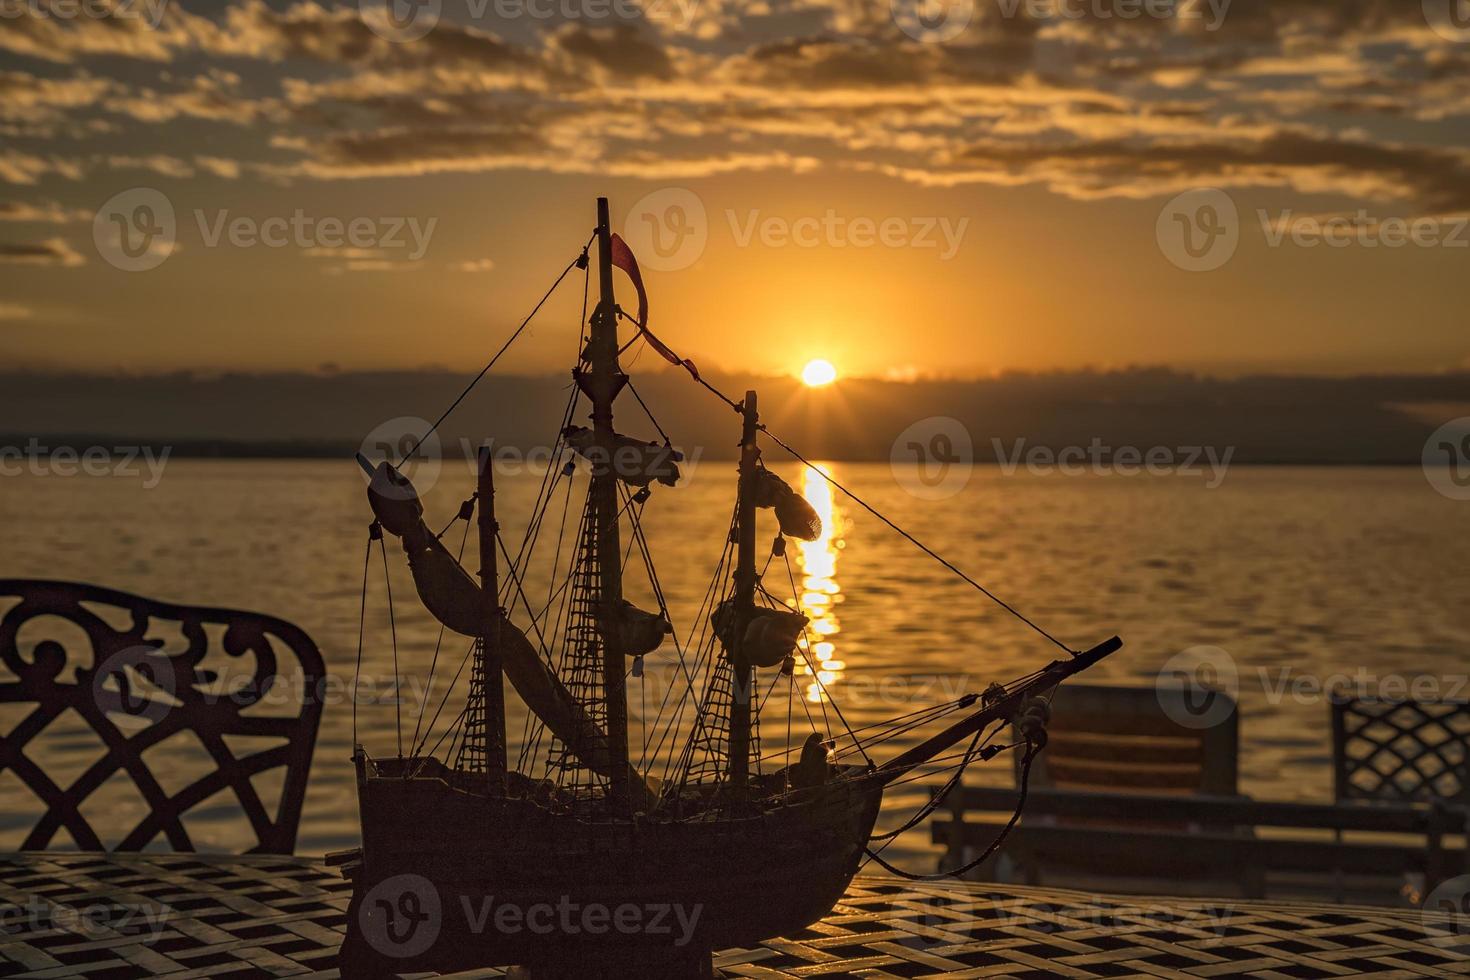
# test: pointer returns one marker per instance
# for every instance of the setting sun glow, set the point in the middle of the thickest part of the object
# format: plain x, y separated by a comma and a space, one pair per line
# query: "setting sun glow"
818, 373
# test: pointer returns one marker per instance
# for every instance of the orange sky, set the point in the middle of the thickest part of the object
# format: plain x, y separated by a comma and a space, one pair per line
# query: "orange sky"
811, 183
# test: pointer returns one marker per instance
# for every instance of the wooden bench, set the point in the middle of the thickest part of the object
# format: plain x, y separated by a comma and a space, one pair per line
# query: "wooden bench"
1250, 839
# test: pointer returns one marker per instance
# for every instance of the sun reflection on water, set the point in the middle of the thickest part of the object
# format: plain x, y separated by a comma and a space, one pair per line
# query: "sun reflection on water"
820, 593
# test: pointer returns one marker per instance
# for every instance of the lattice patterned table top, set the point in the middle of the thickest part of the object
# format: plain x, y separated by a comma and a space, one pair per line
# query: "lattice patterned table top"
117, 916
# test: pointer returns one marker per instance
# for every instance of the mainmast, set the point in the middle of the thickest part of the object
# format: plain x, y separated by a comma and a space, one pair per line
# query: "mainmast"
745, 581
490, 658
602, 383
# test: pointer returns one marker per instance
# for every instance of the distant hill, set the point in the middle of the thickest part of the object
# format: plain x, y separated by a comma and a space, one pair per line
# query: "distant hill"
1266, 419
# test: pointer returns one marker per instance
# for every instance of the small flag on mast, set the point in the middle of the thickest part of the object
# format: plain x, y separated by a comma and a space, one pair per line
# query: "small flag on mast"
622, 257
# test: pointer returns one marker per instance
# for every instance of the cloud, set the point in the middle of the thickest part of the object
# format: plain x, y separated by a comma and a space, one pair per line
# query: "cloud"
219, 167
13, 311
42, 212
619, 51
52, 252
158, 163
215, 96
18, 167
370, 265
1354, 98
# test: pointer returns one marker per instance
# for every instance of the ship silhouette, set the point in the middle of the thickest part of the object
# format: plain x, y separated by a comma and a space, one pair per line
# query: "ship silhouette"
740, 849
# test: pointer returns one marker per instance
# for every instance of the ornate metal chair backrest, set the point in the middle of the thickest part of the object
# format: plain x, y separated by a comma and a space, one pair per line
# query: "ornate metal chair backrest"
1400, 751
134, 672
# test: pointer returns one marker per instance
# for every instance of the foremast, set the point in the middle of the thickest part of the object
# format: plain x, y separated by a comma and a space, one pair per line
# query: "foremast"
483, 746
601, 381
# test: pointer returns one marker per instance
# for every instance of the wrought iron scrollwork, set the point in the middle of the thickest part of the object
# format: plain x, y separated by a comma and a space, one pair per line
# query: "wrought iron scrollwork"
135, 692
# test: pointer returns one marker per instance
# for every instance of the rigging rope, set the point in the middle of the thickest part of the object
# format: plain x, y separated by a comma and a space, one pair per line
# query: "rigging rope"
393, 629
1026, 760
503, 348
876, 513
434, 662
647, 411
361, 622
917, 543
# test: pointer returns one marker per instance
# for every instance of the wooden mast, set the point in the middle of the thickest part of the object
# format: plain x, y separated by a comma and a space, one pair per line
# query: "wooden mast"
490, 660
602, 384
745, 580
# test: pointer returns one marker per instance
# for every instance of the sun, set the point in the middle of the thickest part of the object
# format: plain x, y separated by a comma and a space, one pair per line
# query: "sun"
818, 372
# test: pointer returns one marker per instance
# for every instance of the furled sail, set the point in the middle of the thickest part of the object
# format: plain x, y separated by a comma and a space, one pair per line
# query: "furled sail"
770, 634
641, 632
797, 517
456, 600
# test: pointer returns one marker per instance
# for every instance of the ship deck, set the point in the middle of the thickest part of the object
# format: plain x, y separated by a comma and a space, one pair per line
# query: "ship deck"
187, 915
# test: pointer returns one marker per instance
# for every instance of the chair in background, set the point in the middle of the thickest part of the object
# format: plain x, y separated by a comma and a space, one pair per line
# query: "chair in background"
1400, 751
1387, 751
1127, 739
1123, 741
1124, 799
134, 671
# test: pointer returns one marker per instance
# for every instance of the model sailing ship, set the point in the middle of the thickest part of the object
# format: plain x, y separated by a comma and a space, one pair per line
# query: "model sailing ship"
742, 850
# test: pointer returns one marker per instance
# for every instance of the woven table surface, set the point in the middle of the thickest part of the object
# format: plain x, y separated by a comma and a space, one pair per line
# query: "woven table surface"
186, 915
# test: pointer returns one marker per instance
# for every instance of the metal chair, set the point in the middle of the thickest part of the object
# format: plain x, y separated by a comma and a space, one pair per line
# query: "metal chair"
1401, 751
1388, 751
134, 671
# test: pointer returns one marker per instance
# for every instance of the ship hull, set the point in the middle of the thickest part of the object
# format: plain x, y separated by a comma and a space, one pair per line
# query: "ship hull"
501, 881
